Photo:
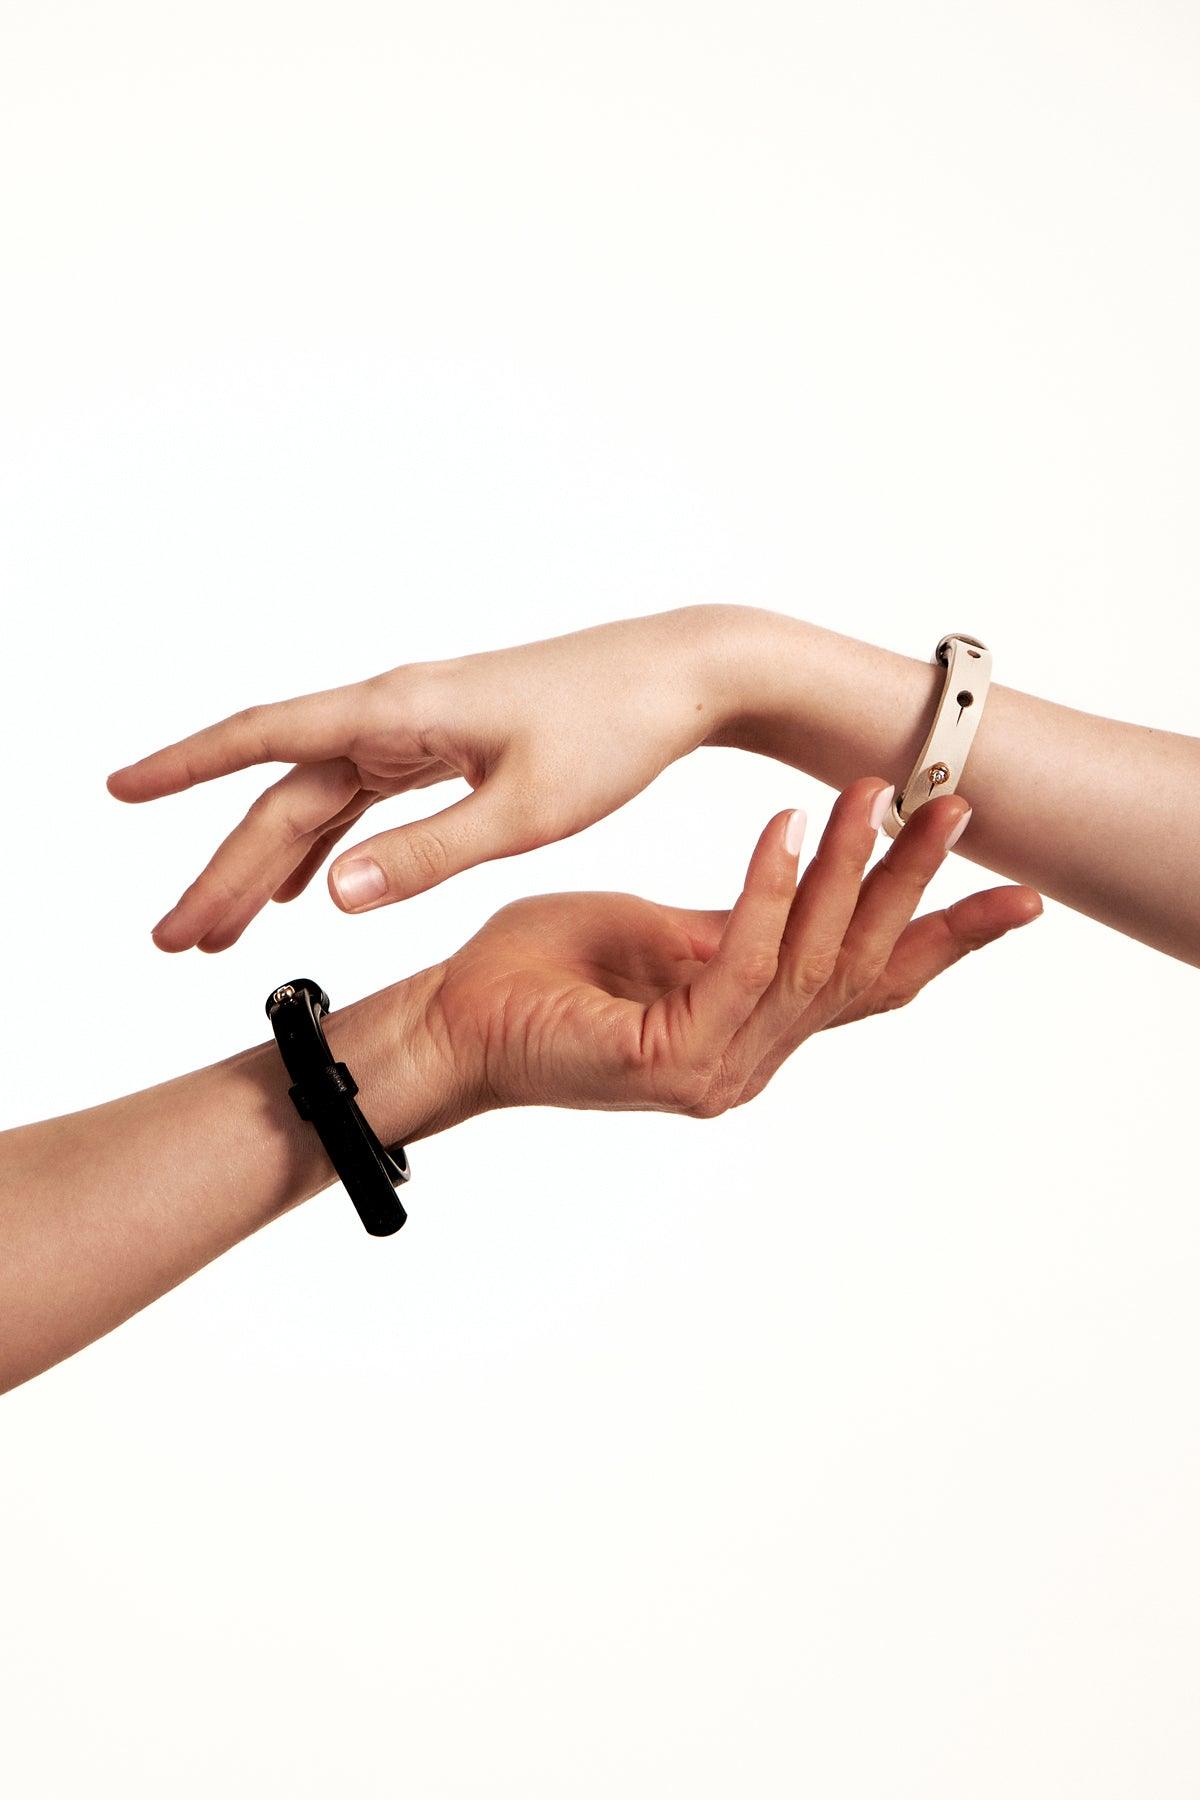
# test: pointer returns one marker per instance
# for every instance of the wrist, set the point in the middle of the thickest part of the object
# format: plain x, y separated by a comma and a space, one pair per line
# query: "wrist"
807, 696
411, 1080
746, 653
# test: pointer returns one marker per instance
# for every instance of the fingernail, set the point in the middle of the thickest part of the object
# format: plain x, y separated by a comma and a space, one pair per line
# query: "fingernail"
956, 830
879, 807
359, 882
793, 833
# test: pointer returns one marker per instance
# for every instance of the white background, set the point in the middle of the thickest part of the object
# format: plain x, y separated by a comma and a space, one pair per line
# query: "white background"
785, 1455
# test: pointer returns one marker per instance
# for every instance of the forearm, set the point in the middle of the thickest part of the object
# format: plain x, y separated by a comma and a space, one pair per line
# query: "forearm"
104, 1210
1100, 815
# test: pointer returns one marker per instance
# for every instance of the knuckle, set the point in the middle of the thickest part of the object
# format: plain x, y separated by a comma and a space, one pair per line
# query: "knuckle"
265, 808
218, 890
426, 855
891, 999
379, 701
779, 886
755, 969
716, 1091
192, 767
629, 1061
384, 690
752, 1089
909, 876
251, 724
273, 810
413, 701
690, 1092
812, 972
860, 973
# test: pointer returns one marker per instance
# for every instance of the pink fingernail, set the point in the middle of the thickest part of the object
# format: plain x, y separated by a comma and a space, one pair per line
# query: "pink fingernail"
956, 831
879, 807
793, 835
359, 882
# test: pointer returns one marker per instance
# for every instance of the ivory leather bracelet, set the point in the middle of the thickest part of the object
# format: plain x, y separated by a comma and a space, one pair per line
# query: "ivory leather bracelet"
968, 676
323, 1093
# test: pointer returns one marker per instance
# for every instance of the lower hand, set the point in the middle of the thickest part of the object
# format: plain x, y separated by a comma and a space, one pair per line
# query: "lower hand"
608, 1001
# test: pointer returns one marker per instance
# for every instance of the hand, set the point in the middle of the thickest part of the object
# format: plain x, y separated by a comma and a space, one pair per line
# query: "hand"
607, 1001
551, 737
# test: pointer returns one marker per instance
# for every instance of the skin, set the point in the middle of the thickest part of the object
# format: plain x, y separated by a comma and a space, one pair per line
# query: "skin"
552, 736
578, 1000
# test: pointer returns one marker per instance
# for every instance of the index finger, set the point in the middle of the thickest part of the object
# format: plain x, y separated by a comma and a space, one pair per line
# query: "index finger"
743, 965
308, 729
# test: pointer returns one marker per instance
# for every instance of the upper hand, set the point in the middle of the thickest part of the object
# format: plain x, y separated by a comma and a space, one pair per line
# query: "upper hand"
550, 737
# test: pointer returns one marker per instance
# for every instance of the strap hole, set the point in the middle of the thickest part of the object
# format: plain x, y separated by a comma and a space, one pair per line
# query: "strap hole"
965, 699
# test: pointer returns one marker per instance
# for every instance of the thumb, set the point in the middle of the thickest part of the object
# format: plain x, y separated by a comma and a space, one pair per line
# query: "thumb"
398, 864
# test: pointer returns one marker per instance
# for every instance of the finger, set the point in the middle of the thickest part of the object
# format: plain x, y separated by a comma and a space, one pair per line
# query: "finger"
830, 887
930, 945
925, 949
887, 900
309, 729
302, 874
266, 886
495, 820
233, 924
743, 965
818, 918
260, 852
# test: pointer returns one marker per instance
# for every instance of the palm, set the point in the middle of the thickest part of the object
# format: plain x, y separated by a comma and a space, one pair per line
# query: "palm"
560, 988
608, 1001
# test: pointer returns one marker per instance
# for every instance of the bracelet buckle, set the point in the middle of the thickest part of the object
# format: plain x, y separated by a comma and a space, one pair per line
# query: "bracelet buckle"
323, 1093
939, 767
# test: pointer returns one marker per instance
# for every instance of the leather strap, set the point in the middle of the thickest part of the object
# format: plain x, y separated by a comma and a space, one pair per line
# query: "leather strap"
968, 666
323, 1094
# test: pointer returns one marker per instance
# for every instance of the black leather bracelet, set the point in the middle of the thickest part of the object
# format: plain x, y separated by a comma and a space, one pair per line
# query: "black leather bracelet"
323, 1093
